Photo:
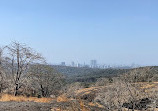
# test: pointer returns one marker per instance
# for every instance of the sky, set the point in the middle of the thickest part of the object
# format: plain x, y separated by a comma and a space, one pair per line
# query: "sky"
110, 31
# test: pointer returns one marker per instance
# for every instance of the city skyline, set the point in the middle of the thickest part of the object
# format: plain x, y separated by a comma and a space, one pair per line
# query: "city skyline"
94, 64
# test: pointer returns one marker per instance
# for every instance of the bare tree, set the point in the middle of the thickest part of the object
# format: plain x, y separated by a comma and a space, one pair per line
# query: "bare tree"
3, 82
46, 79
19, 58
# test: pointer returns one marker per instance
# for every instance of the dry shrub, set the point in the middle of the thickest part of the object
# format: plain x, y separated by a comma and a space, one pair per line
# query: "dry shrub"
70, 90
119, 92
102, 82
6, 97
79, 105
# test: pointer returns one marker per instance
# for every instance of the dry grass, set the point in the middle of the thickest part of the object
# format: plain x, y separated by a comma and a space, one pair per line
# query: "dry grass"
149, 85
87, 90
62, 98
96, 105
6, 97
91, 104
150, 88
83, 106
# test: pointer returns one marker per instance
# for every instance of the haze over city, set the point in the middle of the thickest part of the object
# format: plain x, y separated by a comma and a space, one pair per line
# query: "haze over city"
123, 32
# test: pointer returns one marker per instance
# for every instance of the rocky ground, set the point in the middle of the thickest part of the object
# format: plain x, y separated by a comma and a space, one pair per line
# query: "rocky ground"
33, 106
24, 106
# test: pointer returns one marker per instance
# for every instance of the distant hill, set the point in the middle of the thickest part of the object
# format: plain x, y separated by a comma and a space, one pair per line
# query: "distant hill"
84, 74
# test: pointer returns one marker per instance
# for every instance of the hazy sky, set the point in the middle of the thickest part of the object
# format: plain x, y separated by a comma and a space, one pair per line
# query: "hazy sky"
110, 31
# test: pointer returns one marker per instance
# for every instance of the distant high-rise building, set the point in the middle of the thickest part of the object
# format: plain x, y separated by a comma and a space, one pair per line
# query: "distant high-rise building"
72, 64
93, 63
63, 63
78, 65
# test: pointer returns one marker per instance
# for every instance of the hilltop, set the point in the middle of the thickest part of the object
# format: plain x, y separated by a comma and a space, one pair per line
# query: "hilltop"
84, 74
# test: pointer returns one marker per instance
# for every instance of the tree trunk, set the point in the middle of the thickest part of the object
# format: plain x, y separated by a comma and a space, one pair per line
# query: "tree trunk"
42, 91
16, 90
